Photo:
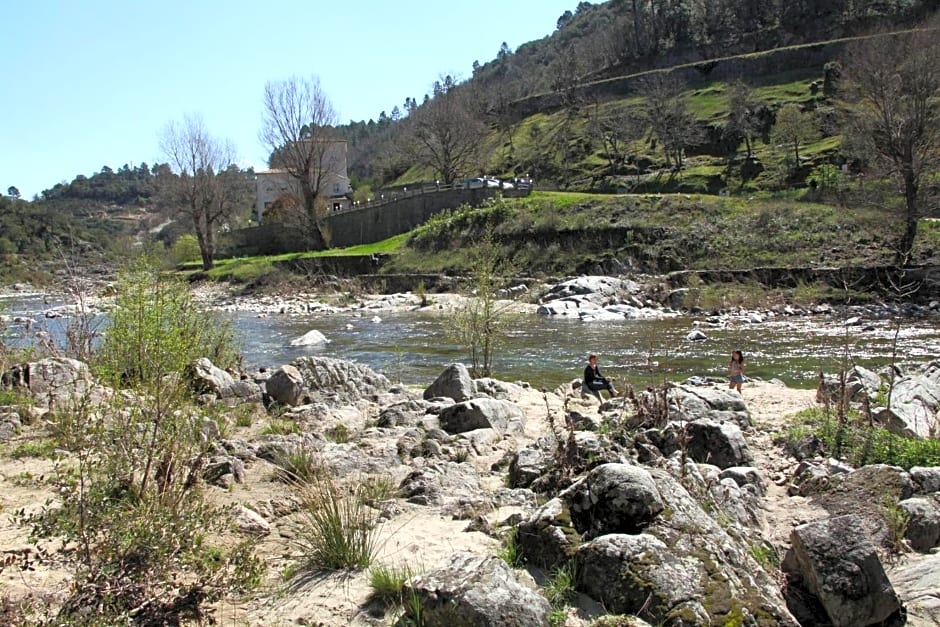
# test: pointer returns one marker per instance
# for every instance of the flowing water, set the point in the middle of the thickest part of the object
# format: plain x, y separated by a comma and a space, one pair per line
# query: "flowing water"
414, 347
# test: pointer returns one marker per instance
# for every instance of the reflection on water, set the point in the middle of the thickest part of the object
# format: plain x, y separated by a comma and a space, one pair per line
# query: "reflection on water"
414, 347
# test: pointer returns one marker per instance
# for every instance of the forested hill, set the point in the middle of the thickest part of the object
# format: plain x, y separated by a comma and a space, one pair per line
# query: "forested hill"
128, 185
595, 42
626, 36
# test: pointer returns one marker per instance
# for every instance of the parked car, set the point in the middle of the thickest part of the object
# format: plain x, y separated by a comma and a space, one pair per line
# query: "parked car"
491, 182
507, 185
522, 183
476, 183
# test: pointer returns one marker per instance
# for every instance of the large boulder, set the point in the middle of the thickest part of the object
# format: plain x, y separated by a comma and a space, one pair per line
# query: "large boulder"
476, 591
430, 484
53, 382
340, 380
719, 443
914, 404
286, 386
483, 413
630, 574
208, 378
455, 382
923, 526
836, 562
613, 498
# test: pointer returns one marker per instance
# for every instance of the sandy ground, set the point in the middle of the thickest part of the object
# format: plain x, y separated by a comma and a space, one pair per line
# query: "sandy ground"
415, 537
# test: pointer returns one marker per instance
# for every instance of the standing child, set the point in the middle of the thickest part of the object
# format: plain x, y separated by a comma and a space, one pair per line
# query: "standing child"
736, 371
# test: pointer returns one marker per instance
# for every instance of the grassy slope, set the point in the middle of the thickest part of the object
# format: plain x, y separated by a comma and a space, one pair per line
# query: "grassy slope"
555, 232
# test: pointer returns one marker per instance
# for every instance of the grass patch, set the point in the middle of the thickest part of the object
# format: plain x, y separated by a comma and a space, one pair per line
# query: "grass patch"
388, 583
560, 586
337, 529
510, 551
278, 426
43, 448
378, 488
297, 465
338, 433
860, 445
250, 269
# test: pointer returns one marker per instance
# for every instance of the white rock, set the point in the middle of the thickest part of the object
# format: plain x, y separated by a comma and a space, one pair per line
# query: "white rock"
249, 521
311, 338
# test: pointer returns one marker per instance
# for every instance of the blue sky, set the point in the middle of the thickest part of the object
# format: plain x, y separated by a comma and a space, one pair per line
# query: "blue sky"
88, 84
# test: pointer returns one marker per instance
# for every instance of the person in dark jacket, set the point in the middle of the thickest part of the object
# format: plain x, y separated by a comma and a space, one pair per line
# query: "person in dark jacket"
594, 381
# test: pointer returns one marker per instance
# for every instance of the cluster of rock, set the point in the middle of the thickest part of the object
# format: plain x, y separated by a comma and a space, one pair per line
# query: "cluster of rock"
609, 298
657, 505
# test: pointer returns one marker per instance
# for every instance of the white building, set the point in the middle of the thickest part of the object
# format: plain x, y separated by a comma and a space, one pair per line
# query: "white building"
276, 184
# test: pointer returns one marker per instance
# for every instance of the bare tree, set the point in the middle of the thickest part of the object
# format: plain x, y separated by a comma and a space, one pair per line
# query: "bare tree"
743, 118
669, 117
299, 130
205, 190
446, 135
894, 83
615, 128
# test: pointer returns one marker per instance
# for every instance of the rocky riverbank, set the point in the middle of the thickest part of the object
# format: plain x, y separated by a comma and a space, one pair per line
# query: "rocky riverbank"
683, 509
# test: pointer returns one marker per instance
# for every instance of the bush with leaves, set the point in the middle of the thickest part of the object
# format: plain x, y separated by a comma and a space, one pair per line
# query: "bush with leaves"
131, 498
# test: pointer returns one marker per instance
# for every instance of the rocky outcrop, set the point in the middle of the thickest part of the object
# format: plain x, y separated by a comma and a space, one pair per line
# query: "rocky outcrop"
837, 563
54, 382
476, 591
340, 380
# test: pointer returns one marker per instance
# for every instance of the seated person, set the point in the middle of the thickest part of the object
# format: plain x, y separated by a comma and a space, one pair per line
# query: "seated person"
594, 381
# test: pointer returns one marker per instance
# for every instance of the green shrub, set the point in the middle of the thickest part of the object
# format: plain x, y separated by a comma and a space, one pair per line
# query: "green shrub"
860, 444
130, 499
158, 329
898, 522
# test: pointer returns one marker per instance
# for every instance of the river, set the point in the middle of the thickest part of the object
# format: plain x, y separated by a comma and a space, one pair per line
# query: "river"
413, 347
